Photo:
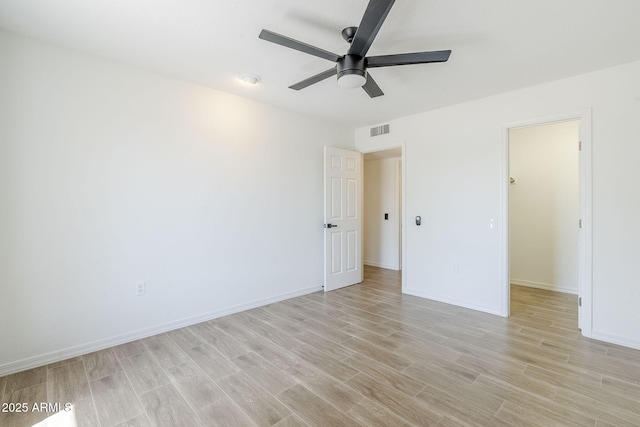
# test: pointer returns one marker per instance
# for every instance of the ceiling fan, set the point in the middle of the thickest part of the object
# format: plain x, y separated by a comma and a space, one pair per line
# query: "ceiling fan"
352, 67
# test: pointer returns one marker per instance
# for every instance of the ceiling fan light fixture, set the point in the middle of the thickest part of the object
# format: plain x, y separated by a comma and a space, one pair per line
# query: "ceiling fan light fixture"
351, 71
352, 79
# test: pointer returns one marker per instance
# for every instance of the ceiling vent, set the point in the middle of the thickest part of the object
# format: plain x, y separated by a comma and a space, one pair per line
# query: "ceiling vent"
379, 130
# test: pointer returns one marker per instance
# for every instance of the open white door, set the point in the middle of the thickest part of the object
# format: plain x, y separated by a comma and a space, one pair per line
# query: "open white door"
342, 218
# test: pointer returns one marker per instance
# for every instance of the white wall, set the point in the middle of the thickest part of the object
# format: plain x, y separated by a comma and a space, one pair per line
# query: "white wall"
110, 176
453, 167
544, 206
381, 238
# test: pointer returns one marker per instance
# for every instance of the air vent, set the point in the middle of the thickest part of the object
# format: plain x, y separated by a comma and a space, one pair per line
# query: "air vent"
379, 130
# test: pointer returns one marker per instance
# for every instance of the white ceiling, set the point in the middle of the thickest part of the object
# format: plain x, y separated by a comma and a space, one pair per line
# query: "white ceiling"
498, 45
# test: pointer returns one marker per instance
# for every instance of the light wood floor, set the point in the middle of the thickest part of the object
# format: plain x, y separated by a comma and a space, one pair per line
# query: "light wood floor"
364, 355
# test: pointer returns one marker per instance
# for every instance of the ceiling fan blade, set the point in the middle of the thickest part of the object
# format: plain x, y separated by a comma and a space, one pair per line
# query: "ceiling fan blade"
285, 41
408, 58
374, 16
372, 88
314, 79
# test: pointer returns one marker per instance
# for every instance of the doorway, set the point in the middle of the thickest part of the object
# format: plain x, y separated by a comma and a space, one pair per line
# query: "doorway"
391, 152
547, 208
383, 207
343, 210
544, 206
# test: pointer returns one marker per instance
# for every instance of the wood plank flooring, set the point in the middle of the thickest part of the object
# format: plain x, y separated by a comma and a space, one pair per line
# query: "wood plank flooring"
364, 355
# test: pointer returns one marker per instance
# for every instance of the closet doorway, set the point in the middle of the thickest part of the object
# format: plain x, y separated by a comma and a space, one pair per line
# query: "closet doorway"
547, 209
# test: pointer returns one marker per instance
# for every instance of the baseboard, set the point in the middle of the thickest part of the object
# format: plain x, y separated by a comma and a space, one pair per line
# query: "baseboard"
381, 265
615, 339
545, 286
452, 301
59, 355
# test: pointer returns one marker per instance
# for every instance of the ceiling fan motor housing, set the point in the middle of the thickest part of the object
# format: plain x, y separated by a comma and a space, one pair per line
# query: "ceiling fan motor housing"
352, 64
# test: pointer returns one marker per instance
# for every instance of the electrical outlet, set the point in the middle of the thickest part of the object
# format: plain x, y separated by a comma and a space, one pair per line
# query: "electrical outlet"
456, 268
141, 288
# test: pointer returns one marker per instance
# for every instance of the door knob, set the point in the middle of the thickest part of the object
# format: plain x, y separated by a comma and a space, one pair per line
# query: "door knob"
330, 226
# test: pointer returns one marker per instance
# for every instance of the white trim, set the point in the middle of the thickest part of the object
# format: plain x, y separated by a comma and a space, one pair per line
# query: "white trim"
505, 303
615, 339
585, 251
399, 217
545, 286
403, 221
381, 265
59, 355
453, 301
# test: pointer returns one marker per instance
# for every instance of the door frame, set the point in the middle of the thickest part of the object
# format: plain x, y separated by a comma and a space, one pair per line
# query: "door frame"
403, 247
585, 247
